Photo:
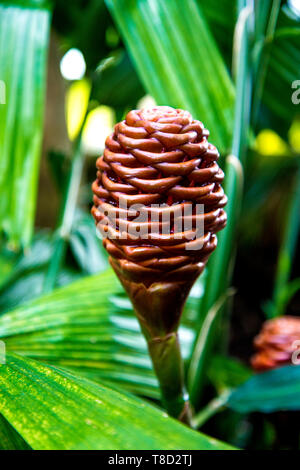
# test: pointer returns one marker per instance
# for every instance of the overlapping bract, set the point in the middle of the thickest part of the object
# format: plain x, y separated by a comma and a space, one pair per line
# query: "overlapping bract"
154, 157
277, 341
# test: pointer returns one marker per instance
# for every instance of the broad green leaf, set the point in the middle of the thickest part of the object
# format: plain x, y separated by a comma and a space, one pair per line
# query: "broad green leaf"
54, 409
89, 326
80, 326
24, 31
268, 391
227, 372
73, 327
178, 60
9, 438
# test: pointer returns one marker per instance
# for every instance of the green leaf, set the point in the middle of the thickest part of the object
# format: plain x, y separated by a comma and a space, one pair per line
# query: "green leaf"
85, 245
227, 372
25, 273
221, 18
268, 391
220, 264
80, 326
89, 36
25, 278
266, 15
117, 85
53, 409
85, 326
288, 245
24, 32
9, 438
284, 68
88, 326
178, 60
203, 346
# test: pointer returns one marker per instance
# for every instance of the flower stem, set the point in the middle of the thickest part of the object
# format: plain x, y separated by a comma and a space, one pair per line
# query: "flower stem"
158, 307
168, 365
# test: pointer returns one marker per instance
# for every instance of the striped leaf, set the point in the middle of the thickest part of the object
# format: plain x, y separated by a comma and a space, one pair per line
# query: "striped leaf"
64, 411
24, 31
178, 60
88, 326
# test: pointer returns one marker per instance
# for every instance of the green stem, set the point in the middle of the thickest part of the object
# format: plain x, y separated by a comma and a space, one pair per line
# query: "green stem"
168, 366
242, 72
158, 307
291, 226
264, 56
203, 345
213, 407
220, 265
65, 225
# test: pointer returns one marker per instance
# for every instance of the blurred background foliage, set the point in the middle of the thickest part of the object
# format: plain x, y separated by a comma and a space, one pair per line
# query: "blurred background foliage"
71, 71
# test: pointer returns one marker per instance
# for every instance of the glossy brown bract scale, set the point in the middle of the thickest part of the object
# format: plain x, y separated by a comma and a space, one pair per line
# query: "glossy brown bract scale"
277, 341
154, 157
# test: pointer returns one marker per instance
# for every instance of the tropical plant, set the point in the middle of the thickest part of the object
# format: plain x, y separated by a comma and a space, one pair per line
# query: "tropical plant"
72, 356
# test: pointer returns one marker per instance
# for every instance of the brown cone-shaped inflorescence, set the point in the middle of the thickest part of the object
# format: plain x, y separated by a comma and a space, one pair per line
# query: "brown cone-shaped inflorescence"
160, 157
277, 341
